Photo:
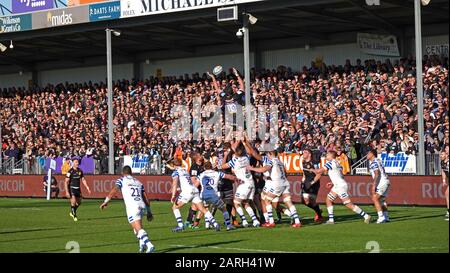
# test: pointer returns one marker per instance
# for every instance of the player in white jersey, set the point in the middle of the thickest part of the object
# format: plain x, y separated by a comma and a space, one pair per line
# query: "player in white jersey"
136, 204
380, 186
189, 193
339, 189
277, 185
246, 190
209, 181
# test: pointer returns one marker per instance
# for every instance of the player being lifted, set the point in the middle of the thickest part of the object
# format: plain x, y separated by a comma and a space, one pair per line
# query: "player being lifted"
136, 204
246, 190
276, 186
339, 189
72, 185
311, 186
380, 186
209, 180
189, 193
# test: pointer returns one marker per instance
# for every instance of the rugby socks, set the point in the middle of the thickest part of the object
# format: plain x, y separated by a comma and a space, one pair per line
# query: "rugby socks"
294, 214
177, 214
210, 218
73, 210
269, 218
380, 214
359, 211
226, 217
287, 213
266, 217
191, 215
251, 213
316, 209
240, 211
143, 238
330, 213
197, 221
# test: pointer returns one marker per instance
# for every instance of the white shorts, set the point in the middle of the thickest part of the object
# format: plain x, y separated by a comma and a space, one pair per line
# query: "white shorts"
309, 196
135, 214
245, 191
186, 197
276, 188
341, 191
383, 188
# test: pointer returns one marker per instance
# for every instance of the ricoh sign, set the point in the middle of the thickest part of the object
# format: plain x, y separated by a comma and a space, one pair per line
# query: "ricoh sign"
60, 17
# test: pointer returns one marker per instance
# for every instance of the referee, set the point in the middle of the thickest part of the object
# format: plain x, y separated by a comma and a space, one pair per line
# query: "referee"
73, 188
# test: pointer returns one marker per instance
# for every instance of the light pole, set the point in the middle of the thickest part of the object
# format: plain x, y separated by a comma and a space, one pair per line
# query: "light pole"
419, 85
110, 98
248, 19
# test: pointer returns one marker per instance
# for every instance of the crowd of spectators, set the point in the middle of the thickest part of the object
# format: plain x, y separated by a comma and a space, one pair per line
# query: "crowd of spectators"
350, 108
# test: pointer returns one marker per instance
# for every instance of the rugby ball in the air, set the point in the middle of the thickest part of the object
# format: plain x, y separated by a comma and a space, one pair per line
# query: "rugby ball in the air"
217, 70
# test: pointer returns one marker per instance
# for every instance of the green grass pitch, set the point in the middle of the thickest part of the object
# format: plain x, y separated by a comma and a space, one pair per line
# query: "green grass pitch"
37, 225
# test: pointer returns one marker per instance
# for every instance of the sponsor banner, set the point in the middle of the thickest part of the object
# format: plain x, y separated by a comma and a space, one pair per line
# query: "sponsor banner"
441, 50
132, 8
381, 45
404, 190
22, 6
83, 2
398, 163
138, 164
87, 164
15, 23
60, 17
5, 7
104, 11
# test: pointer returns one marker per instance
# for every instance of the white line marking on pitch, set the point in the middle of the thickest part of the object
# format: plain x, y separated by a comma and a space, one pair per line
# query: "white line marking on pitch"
277, 251
25, 208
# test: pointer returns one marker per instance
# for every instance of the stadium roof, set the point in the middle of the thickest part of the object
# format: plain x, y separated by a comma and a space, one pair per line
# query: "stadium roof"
282, 24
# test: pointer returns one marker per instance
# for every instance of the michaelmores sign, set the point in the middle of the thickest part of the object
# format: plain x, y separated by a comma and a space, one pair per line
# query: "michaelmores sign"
131, 8
405, 190
60, 17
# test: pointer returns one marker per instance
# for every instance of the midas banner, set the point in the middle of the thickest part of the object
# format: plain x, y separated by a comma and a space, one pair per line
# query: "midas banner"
381, 45
104, 11
398, 163
131, 8
15, 23
405, 190
60, 17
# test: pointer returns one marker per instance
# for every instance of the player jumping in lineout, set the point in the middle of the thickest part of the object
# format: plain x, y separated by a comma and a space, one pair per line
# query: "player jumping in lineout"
136, 204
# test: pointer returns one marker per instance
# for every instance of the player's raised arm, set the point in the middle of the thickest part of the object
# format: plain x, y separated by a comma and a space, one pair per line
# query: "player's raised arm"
241, 82
259, 169
214, 82
250, 150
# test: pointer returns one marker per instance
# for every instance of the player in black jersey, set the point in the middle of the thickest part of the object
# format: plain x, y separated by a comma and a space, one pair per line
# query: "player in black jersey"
73, 181
445, 172
225, 186
310, 186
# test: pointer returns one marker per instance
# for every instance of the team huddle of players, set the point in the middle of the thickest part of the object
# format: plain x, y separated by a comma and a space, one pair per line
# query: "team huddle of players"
209, 190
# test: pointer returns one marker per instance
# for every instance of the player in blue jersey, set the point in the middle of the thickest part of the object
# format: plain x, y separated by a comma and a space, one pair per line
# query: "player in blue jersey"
189, 193
209, 181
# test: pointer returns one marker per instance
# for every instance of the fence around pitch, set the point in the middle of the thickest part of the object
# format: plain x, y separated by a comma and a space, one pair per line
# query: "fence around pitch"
405, 190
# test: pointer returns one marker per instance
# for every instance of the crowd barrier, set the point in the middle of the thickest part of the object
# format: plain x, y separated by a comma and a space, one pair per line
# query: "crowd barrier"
405, 190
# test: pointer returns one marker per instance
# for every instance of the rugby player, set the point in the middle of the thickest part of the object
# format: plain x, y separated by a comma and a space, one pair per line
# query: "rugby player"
209, 181
339, 189
380, 186
72, 185
136, 204
311, 186
189, 193
445, 172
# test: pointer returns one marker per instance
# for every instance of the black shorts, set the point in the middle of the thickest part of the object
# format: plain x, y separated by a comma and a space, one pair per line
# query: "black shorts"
75, 192
314, 189
227, 196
